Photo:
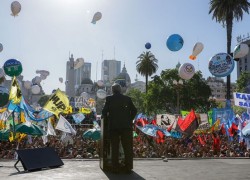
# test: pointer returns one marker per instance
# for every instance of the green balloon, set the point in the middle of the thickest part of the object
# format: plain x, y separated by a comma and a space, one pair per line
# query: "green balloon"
13, 67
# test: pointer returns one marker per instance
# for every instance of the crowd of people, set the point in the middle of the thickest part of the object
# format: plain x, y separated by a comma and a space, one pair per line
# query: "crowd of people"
144, 146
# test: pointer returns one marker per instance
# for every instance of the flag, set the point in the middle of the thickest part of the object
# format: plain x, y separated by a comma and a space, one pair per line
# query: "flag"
50, 128
159, 137
202, 142
65, 126
154, 122
233, 129
170, 127
188, 125
78, 118
57, 103
85, 110
15, 92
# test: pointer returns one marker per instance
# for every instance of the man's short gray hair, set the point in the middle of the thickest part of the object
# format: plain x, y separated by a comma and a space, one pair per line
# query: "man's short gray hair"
116, 88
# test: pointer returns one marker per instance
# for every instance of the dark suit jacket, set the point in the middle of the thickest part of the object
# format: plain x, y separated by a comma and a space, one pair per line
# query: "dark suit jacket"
120, 111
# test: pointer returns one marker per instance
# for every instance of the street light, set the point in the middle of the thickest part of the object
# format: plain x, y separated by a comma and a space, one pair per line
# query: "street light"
178, 85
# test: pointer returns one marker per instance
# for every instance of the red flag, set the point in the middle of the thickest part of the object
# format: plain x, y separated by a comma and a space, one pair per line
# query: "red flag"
159, 136
153, 122
189, 124
201, 141
232, 129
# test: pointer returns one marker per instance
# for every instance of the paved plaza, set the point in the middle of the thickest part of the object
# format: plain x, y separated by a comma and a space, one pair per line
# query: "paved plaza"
194, 169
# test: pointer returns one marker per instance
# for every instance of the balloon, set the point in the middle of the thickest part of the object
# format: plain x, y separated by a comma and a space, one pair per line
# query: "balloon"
1, 47
27, 84
4, 96
186, 71
174, 42
97, 16
61, 80
198, 47
15, 8
38, 79
12, 67
43, 72
85, 95
1, 73
78, 63
100, 83
101, 94
35, 89
240, 51
147, 45
221, 65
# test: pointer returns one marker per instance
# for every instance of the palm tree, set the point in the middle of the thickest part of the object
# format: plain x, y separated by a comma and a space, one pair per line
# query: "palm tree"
146, 65
225, 11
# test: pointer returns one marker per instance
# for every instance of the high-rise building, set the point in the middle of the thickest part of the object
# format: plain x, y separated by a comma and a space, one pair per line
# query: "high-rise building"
110, 70
74, 76
244, 63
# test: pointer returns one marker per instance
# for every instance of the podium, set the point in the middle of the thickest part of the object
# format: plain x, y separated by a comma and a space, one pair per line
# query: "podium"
105, 149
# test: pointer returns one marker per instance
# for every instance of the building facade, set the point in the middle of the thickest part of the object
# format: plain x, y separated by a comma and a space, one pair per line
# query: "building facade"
244, 63
219, 88
110, 70
74, 77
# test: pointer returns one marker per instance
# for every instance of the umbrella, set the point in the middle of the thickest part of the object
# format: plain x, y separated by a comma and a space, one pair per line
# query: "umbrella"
31, 129
93, 134
4, 135
151, 130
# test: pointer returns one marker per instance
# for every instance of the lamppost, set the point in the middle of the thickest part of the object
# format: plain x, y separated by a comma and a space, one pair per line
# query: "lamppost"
178, 85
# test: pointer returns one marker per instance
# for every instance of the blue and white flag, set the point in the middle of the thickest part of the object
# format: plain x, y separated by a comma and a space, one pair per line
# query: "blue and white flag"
78, 118
65, 126
246, 131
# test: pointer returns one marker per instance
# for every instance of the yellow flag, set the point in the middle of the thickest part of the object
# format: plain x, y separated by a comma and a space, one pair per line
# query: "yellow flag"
57, 103
3, 110
85, 110
15, 91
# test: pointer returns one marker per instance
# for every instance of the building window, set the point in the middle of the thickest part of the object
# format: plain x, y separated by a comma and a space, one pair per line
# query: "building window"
218, 90
240, 62
245, 60
240, 69
245, 67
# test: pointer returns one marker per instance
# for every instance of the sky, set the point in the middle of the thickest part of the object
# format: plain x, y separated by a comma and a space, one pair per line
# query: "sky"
45, 32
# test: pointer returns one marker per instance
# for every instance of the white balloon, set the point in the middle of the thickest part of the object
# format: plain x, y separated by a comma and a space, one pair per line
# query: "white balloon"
43, 77
38, 79
85, 95
97, 16
78, 63
15, 8
198, 47
186, 71
61, 80
101, 94
240, 51
1, 47
35, 89
1, 73
100, 83
43, 72
27, 84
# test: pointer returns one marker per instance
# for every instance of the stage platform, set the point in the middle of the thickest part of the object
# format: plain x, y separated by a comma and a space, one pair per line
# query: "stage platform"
174, 169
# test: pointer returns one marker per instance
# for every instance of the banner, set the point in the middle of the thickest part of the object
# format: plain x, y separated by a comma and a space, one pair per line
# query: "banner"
242, 100
57, 103
65, 126
15, 92
224, 114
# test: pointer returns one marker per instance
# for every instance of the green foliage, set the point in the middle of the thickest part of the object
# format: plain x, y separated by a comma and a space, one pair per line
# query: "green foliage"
138, 99
163, 93
243, 83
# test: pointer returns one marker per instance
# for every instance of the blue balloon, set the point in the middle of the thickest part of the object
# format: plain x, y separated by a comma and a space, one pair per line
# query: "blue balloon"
174, 42
147, 45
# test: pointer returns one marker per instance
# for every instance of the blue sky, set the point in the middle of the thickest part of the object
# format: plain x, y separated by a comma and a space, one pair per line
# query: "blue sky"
45, 31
